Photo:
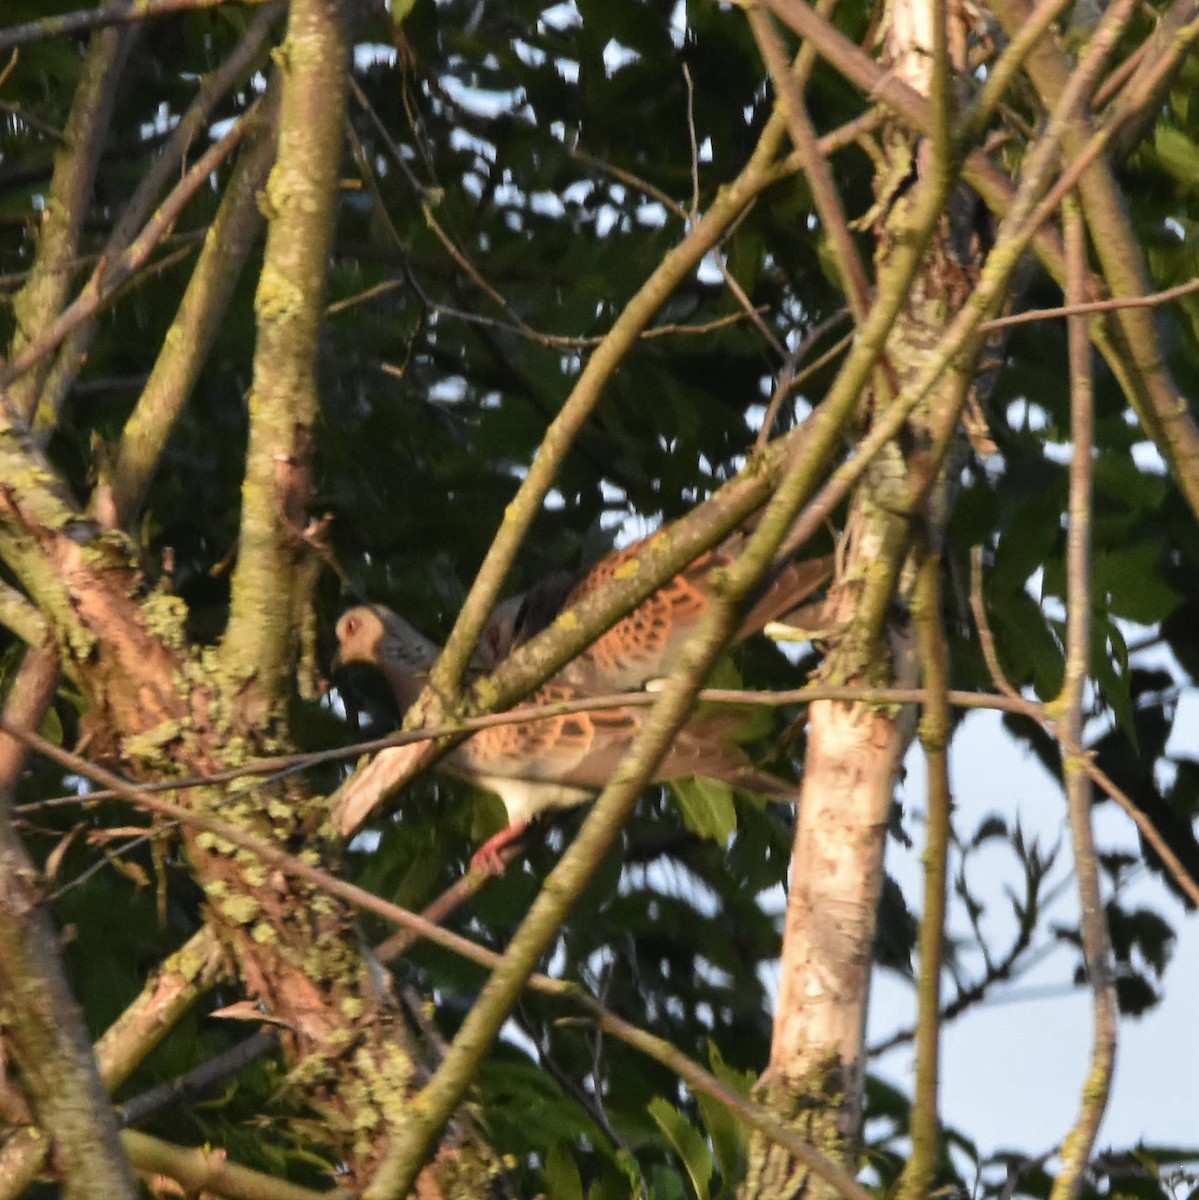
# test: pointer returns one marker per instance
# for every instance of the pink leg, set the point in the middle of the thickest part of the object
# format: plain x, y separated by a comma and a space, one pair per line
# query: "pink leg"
488, 858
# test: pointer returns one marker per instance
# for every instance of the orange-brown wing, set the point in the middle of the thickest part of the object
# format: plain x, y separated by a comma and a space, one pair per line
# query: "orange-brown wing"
646, 644
567, 749
582, 750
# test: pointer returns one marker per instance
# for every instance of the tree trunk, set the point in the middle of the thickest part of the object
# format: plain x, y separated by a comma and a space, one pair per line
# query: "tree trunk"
816, 1072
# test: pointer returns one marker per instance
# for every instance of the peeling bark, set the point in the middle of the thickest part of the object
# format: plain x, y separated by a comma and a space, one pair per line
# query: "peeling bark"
815, 1078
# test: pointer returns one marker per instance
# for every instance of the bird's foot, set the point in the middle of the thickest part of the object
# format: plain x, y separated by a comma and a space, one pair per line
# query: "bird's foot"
488, 856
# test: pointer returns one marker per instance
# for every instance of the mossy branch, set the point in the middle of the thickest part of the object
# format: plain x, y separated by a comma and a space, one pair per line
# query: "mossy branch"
259, 644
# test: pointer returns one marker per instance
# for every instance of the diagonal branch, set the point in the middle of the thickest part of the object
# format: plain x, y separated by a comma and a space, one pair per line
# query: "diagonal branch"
1130, 332
73, 352
121, 13
39, 301
422, 1124
197, 322
607, 356
109, 275
815, 166
1131, 349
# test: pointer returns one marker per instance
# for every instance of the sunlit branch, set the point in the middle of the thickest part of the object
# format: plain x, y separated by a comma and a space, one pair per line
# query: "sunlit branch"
1076, 1147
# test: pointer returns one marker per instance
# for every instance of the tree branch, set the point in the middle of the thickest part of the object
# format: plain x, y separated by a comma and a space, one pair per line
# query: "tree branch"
36, 308
44, 1028
422, 1124
98, 18
935, 732
1133, 337
259, 641
168, 993
204, 1171
108, 276
1076, 1148
185, 348
73, 351
628, 327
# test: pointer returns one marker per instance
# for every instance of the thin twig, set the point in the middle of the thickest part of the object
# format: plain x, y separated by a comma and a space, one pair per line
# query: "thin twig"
1094, 306
110, 273
789, 380
935, 733
1038, 713
819, 175
194, 1083
281, 766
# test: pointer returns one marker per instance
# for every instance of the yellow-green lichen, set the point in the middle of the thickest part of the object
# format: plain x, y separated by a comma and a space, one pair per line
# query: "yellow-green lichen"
211, 841
147, 743
166, 617
240, 909
254, 874
278, 298
279, 810
189, 960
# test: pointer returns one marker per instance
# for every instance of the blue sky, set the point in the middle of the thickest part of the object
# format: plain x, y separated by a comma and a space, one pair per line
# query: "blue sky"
1013, 1068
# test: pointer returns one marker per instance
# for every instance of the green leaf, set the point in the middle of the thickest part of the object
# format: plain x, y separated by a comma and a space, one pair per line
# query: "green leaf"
727, 1132
1028, 648
562, 1179
688, 1143
1127, 577
1109, 665
707, 807
1178, 155
665, 1184
532, 1106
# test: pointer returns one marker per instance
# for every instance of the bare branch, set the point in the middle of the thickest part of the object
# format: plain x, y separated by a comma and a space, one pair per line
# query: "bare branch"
140, 205
566, 883
1086, 307
935, 732
207, 1171
186, 345
98, 18
1076, 1148
108, 276
815, 166
36, 308
44, 1028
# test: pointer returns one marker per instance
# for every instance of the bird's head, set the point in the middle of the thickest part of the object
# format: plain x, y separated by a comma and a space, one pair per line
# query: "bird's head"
373, 634
360, 637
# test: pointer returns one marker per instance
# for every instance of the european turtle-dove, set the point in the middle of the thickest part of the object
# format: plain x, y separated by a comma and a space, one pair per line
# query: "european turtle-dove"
552, 762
